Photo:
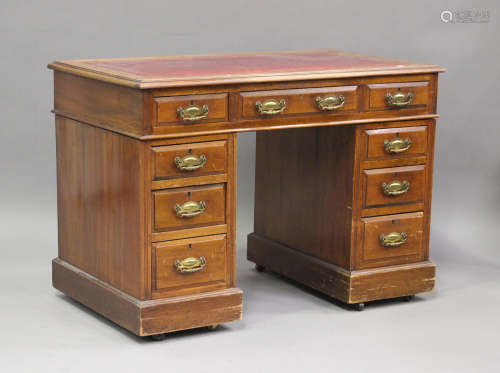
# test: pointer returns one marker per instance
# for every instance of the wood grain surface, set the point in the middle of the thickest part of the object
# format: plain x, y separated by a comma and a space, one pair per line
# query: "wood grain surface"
166, 108
417, 136
149, 317
373, 254
215, 153
300, 101
213, 276
303, 190
165, 217
101, 204
347, 286
374, 196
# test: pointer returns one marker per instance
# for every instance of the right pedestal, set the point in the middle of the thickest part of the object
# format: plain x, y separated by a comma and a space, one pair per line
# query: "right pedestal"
346, 209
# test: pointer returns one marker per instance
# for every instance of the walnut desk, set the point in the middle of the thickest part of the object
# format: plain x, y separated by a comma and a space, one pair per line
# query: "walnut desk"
146, 172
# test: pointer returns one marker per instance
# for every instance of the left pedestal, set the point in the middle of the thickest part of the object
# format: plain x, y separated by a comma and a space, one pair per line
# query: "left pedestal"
144, 240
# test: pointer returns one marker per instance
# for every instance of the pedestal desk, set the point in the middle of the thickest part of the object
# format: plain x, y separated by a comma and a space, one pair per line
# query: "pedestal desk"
146, 176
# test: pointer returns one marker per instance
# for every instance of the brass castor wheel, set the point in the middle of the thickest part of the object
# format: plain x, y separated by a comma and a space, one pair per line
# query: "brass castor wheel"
259, 268
408, 298
212, 327
158, 337
359, 306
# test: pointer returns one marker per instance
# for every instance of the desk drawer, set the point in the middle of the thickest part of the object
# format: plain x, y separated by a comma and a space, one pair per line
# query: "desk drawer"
399, 96
190, 207
388, 143
188, 266
392, 239
192, 109
394, 186
186, 160
284, 102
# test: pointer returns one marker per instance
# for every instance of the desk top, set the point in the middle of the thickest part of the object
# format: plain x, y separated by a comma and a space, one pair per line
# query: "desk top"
179, 71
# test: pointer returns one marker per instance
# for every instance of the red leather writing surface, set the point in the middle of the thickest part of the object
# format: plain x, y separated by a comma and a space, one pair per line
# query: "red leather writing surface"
217, 65
155, 72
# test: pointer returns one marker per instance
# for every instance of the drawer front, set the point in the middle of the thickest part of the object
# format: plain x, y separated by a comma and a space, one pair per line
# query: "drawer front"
399, 96
186, 160
387, 143
190, 265
394, 185
278, 103
192, 108
190, 207
392, 239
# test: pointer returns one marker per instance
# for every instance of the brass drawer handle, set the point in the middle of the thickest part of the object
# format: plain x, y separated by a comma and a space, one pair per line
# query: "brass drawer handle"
399, 99
189, 209
192, 112
397, 145
190, 265
395, 188
271, 107
190, 162
393, 239
330, 103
